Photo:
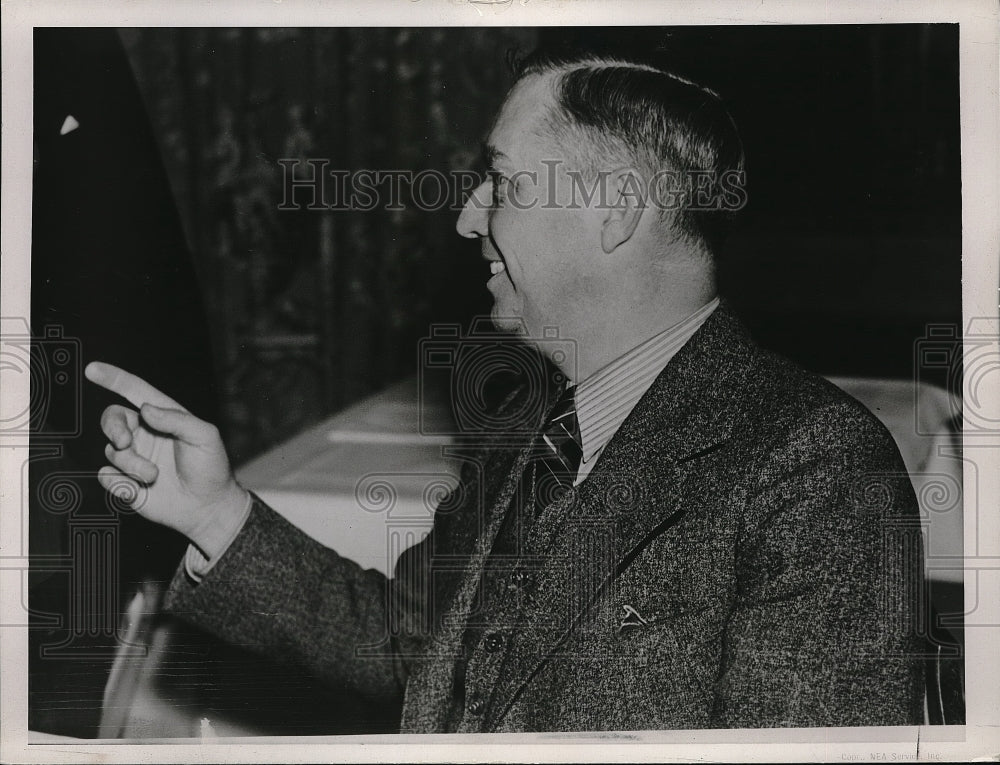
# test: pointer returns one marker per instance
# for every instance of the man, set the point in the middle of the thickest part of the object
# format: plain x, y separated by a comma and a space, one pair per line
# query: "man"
694, 533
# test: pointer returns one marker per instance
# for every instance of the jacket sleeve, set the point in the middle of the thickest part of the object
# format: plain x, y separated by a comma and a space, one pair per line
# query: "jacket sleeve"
823, 630
279, 592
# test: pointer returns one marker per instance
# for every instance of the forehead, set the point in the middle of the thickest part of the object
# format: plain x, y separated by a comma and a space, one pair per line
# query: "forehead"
514, 129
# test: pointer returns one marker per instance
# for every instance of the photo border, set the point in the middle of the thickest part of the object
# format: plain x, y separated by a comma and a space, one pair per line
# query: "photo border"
980, 116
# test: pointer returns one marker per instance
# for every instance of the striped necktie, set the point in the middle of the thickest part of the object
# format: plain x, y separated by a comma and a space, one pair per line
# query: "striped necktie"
555, 458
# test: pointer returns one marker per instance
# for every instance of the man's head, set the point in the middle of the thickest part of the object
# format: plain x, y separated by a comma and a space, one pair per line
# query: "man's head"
581, 217
611, 111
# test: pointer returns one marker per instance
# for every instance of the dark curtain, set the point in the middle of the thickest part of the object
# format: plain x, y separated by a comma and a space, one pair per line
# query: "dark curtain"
311, 310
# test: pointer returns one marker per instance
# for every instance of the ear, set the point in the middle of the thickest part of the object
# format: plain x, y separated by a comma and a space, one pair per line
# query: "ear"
628, 188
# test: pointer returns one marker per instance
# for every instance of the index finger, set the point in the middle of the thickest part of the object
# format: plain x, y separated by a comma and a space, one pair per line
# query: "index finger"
128, 386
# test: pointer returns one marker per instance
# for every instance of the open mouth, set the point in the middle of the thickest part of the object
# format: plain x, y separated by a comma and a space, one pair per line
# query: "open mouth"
497, 267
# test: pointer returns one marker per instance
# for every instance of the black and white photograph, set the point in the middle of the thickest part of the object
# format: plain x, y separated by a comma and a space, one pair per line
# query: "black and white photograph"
554, 380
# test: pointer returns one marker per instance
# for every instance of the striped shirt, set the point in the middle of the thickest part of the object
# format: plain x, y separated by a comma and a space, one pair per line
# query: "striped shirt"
606, 398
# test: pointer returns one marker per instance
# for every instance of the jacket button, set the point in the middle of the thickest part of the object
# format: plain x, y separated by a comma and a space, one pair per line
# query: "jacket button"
477, 705
493, 642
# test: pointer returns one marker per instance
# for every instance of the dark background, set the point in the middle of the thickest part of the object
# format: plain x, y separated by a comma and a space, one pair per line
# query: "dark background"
157, 242
851, 239
849, 245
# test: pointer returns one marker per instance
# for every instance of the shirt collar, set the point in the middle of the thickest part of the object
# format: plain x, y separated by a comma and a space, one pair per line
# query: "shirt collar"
607, 397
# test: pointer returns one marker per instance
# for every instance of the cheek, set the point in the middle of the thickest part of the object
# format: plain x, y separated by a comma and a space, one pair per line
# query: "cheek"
540, 247
512, 234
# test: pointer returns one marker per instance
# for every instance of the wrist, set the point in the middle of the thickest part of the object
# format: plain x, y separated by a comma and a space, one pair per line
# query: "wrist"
221, 522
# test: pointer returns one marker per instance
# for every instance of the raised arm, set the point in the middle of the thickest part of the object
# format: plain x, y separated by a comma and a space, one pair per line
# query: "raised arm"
271, 588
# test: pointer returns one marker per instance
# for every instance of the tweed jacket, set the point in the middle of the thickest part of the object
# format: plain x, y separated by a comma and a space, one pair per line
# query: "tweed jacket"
745, 553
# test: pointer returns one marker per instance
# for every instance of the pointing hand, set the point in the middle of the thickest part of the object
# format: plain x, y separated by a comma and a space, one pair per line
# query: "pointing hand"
167, 464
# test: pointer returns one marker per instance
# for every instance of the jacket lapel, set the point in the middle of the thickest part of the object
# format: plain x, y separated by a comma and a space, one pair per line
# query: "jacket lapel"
633, 494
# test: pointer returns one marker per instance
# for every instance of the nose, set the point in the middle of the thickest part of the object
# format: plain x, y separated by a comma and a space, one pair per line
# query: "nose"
474, 219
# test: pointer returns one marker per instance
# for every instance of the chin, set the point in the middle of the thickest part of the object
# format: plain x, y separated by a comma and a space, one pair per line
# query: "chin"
507, 318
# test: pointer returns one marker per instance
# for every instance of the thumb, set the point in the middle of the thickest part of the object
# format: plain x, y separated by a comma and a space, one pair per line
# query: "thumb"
181, 424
